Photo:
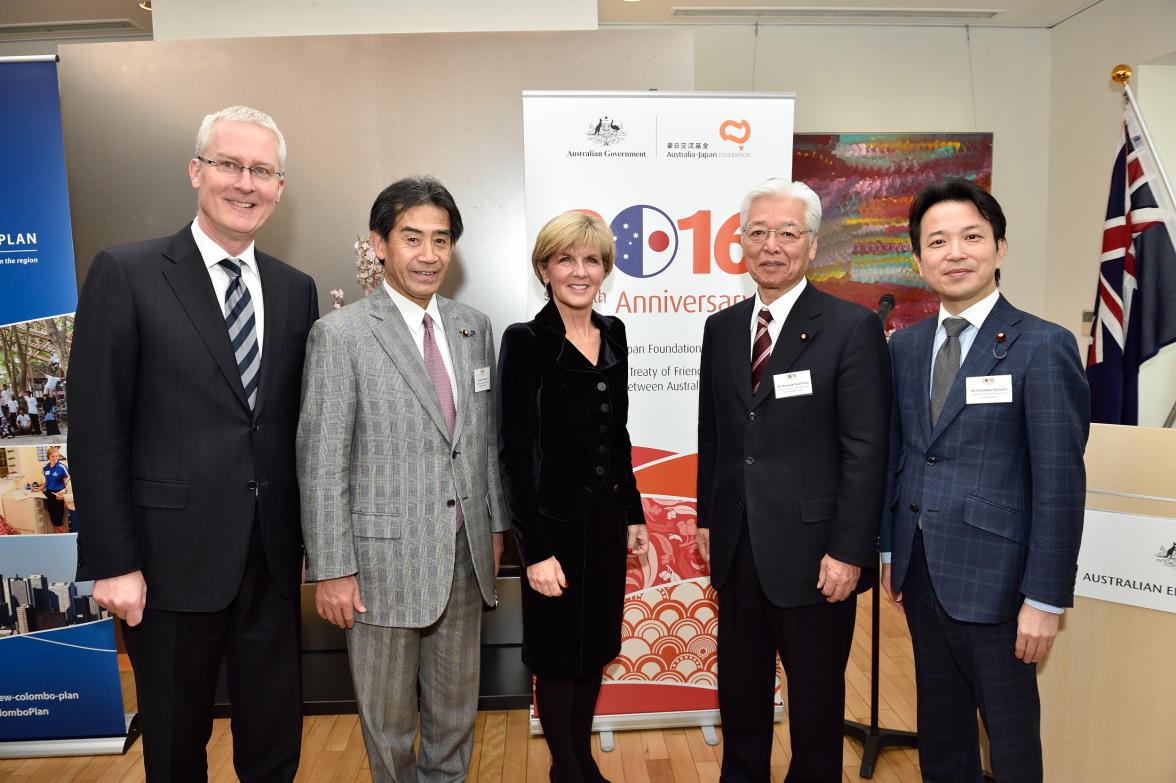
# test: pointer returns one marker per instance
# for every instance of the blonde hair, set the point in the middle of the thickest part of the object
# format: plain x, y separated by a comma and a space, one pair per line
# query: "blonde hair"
53, 450
571, 230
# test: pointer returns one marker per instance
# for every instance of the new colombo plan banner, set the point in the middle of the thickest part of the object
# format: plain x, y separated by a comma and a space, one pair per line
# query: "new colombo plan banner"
667, 172
36, 241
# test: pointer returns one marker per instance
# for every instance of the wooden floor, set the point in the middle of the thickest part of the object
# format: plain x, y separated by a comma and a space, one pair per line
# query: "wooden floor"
504, 751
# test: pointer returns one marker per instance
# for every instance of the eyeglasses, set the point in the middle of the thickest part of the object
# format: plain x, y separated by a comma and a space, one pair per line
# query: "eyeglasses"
231, 169
785, 236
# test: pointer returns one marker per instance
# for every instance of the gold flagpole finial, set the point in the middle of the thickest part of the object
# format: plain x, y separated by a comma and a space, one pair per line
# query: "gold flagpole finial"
1121, 74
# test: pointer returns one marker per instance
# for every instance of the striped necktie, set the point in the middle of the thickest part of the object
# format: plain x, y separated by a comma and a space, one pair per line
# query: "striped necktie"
761, 349
242, 327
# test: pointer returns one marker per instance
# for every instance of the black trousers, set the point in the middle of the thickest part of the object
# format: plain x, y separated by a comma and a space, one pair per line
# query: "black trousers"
56, 508
813, 643
961, 668
176, 657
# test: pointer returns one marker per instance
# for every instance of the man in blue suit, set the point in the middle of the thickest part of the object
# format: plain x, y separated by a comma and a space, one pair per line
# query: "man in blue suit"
985, 494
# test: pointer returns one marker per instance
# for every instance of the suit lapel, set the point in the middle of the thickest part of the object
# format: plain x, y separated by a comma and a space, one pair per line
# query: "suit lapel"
796, 335
982, 359
188, 277
393, 336
459, 356
738, 347
274, 289
918, 367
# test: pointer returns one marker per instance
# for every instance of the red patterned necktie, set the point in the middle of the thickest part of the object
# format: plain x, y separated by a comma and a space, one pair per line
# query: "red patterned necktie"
435, 366
761, 349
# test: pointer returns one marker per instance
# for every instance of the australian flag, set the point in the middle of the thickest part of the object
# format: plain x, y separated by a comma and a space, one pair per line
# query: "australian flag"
1135, 307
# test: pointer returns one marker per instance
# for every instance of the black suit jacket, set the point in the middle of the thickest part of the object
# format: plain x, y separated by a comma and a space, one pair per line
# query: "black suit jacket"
807, 472
562, 428
170, 465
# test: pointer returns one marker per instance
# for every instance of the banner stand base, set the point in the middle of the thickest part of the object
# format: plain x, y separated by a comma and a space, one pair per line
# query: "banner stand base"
89, 746
605, 725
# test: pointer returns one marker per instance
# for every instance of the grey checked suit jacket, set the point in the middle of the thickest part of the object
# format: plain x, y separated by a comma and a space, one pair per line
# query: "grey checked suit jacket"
377, 469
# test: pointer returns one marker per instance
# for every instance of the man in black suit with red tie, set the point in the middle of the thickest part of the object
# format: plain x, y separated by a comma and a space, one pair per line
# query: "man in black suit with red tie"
184, 393
794, 402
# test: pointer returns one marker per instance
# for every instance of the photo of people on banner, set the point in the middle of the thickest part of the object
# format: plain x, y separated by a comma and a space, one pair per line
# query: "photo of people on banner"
36, 491
33, 359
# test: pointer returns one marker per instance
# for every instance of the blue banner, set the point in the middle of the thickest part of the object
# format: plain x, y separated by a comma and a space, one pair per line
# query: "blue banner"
57, 648
36, 240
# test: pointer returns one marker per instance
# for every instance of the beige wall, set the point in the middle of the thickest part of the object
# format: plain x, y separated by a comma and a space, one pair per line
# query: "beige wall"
1085, 114
913, 79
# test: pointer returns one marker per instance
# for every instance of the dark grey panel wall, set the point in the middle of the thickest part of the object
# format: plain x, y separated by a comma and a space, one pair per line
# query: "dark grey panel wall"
357, 113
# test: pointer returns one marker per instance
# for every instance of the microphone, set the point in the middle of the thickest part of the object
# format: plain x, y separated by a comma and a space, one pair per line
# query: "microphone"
886, 304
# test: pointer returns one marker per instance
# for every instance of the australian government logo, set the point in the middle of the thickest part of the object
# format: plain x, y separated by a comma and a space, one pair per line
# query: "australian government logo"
604, 134
1164, 555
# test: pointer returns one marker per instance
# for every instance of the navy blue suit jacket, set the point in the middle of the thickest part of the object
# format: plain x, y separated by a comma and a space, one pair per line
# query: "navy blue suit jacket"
1000, 487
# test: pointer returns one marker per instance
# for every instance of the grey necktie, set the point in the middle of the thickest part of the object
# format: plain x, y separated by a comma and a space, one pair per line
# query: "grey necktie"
242, 325
947, 365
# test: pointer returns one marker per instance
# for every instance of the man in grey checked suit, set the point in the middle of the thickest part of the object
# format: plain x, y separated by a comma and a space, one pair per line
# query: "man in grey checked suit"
403, 513
986, 493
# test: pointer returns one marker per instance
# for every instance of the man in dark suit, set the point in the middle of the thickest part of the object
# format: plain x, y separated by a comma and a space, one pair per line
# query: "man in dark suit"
184, 383
986, 491
794, 397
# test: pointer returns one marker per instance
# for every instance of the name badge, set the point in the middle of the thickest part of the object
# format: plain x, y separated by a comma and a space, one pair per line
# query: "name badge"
793, 384
987, 389
482, 379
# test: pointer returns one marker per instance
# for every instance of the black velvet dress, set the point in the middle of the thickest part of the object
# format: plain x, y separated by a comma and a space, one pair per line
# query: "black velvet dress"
567, 471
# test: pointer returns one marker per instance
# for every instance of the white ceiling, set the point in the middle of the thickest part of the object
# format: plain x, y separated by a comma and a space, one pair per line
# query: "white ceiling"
1011, 13
69, 19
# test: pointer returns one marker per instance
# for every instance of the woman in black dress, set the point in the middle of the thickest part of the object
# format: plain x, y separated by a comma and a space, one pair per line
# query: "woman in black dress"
567, 471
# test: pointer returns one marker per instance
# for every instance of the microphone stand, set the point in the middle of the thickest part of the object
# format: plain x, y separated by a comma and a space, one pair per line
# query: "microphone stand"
873, 738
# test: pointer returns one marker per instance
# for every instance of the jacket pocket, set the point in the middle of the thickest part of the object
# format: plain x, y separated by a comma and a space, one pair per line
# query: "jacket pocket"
998, 520
818, 509
157, 493
370, 524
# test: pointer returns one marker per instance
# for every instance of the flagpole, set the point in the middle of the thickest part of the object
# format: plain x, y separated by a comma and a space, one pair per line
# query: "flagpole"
1122, 74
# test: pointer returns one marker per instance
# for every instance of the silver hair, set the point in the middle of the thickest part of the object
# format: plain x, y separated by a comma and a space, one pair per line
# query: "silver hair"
241, 114
777, 187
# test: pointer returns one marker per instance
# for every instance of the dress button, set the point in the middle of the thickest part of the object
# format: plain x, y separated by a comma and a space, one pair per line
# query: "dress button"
751, 415
931, 459
750, 460
603, 429
252, 486
600, 470
602, 386
451, 502
604, 407
603, 449
915, 507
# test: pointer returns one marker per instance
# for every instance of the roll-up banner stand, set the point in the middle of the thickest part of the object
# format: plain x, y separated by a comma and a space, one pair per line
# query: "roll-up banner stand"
60, 693
667, 172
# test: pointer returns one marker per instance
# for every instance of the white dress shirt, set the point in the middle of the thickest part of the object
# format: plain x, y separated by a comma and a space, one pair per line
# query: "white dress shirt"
779, 309
414, 318
213, 254
975, 316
